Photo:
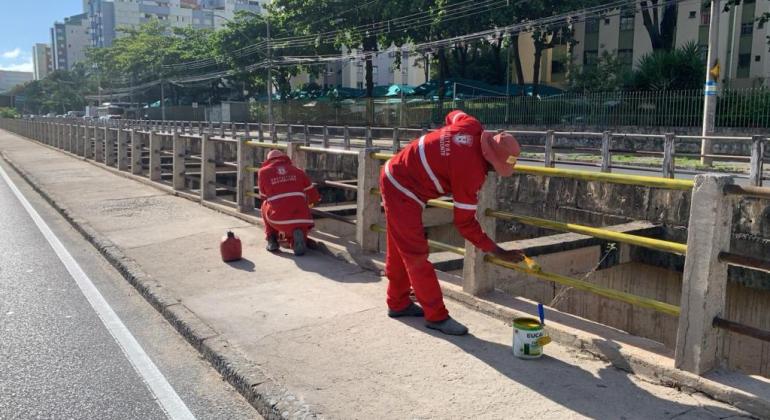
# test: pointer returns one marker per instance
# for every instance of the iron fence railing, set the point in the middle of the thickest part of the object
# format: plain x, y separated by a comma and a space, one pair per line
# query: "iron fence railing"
739, 108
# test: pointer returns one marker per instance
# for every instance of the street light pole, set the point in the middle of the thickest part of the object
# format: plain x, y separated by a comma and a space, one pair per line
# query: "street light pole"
712, 79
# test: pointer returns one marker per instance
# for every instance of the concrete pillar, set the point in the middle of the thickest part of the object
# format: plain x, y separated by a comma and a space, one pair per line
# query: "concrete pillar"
179, 166
606, 154
368, 137
396, 143
98, 144
704, 281
550, 156
307, 135
477, 278
109, 146
368, 208
155, 148
208, 169
245, 177
297, 156
326, 137
757, 159
289, 133
346, 138
122, 140
88, 151
669, 164
260, 133
136, 152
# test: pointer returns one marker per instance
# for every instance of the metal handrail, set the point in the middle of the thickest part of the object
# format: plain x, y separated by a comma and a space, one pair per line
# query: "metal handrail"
748, 191
643, 302
328, 150
648, 181
281, 146
651, 243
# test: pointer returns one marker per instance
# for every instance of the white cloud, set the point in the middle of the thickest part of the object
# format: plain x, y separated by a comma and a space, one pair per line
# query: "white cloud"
27, 67
15, 53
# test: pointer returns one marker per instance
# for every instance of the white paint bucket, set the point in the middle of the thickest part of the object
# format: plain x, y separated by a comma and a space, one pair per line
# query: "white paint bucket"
528, 338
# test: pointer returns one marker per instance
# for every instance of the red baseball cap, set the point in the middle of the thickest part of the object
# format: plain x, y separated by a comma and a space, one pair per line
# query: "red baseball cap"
497, 149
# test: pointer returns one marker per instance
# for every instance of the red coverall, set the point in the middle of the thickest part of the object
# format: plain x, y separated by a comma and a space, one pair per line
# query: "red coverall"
446, 161
287, 193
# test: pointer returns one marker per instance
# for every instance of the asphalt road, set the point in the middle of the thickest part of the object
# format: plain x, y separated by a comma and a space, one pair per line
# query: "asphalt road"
58, 359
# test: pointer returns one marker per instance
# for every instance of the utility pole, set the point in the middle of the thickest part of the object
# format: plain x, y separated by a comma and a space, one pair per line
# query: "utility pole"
712, 79
269, 74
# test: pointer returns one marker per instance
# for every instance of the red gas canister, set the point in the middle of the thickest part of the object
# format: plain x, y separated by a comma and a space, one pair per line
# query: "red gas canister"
230, 247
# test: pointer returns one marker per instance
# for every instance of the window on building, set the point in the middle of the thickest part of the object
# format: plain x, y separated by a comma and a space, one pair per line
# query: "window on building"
558, 67
693, 14
705, 17
606, 21
627, 23
360, 85
747, 28
757, 58
626, 57
592, 26
761, 24
744, 63
590, 57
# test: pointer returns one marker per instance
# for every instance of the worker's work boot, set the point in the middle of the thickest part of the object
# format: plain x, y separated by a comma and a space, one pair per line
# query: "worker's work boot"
411, 310
272, 243
448, 326
298, 239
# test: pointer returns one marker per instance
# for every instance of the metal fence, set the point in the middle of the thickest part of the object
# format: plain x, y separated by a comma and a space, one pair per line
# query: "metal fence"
737, 108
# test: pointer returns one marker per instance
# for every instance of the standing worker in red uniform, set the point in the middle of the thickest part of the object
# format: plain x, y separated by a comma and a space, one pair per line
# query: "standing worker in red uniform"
452, 160
287, 195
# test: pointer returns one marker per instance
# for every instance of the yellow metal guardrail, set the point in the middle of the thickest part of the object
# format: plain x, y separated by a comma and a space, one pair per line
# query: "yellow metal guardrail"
647, 181
266, 145
639, 301
651, 243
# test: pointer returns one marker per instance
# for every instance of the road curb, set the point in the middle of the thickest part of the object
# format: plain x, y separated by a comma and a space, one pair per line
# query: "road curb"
271, 399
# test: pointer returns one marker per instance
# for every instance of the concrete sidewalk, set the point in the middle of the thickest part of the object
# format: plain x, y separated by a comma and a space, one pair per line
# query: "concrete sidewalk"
303, 337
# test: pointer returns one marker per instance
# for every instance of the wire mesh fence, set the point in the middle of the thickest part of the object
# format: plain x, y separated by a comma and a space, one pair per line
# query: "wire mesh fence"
745, 108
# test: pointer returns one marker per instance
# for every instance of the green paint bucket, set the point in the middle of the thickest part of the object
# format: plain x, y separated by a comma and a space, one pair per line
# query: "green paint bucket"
528, 338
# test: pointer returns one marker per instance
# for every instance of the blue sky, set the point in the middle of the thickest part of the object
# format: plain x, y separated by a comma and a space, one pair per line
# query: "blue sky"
26, 22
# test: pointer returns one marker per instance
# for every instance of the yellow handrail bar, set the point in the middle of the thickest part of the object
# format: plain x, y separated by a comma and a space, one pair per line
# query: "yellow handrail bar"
651, 243
647, 181
642, 302
266, 145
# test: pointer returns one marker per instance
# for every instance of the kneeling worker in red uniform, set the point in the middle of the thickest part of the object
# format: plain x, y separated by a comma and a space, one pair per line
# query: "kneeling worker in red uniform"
452, 160
287, 195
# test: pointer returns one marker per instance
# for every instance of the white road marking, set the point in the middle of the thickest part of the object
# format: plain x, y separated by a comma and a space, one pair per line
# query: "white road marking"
167, 398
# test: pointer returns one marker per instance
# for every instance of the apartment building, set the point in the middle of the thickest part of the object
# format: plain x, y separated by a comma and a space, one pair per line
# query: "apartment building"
743, 48
11, 79
109, 16
69, 41
42, 61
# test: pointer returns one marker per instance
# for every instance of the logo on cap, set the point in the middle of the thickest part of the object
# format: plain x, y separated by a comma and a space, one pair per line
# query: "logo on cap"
462, 139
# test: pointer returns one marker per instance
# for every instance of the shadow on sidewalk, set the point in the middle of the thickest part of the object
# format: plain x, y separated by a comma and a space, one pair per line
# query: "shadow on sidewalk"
243, 264
332, 269
608, 393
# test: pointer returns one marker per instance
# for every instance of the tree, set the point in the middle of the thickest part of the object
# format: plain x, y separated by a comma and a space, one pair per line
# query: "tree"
608, 75
680, 68
659, 18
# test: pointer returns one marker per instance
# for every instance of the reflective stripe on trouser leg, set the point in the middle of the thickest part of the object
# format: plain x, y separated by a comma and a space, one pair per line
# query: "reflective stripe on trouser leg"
406, 234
